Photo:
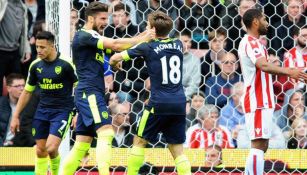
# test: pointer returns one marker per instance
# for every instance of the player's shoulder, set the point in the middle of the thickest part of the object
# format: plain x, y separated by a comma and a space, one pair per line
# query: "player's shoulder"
83, 33
34, 63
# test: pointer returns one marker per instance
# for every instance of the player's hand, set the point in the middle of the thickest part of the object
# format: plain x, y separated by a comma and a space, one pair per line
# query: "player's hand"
118, 66
150, 34
298, 74
15, 123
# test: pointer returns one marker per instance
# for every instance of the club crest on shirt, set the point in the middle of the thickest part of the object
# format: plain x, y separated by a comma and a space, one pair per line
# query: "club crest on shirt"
58, 69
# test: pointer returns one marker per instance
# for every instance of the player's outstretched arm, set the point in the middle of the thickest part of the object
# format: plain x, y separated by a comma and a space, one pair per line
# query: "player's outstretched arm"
125, 43
271, 68
22, 102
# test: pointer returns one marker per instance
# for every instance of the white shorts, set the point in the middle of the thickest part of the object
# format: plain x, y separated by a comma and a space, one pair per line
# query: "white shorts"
259, 124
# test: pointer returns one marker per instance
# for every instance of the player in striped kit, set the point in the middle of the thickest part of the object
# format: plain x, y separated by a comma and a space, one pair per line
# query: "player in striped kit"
258, 100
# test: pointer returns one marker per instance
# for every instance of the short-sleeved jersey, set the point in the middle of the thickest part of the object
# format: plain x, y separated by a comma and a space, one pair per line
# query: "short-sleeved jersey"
258, 84
55, 79
88, 57
164, 62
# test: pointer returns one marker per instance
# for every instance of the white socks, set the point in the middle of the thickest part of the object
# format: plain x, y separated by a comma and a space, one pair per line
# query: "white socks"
255, 162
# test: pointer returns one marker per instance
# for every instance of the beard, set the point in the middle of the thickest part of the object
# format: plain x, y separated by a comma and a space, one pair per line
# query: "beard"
262, 30
301, 44
97, 29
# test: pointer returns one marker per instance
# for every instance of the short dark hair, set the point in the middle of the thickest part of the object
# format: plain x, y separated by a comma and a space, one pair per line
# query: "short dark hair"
199, 93
95, 7
161, 22
45, 35
120, 6
250, 15
186, 33
13, 76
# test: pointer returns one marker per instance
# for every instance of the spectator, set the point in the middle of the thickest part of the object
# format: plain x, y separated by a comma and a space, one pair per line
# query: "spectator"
281, 37
298, 139
36, 12
277, 140
232, 115
191, 67
214, 156
15, 84
217, 44
293, 107
121, 124
121, 26
144, 7
128, 3
297, 56
73, 23
197, 101
208, 132
111, 98
39, 26
200, 16
218, 87
232, 21
14, 44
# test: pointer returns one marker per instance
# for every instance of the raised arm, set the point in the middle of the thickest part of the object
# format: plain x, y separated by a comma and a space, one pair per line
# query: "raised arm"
125, 43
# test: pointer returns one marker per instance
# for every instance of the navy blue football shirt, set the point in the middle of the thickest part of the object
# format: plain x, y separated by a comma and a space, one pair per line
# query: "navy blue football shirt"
164, 60
89, 58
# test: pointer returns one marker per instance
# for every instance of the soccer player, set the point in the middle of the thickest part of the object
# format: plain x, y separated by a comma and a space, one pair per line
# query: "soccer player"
55, 77
166, 109
258, 100
89, 48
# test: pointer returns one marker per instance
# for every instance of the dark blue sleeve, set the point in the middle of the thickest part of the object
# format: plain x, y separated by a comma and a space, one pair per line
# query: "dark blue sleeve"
89, 39
138, 50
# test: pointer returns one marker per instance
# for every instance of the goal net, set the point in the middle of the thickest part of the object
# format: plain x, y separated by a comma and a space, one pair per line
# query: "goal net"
211, 78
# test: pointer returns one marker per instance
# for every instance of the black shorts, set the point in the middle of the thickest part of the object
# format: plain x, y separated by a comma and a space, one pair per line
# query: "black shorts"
172, 126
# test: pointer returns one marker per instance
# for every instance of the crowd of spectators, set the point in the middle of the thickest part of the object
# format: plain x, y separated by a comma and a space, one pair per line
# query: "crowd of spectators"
210, 31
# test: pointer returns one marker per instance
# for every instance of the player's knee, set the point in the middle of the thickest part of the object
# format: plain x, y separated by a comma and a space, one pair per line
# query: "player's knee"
52, 150
261, 144
106, 134
41, 151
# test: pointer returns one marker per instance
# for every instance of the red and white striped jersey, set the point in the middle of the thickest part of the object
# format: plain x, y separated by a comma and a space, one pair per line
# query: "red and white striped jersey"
295, 58
200, 138
258, 84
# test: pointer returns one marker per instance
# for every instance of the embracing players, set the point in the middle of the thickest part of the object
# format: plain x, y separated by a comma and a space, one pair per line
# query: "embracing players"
166, 109
89, 49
